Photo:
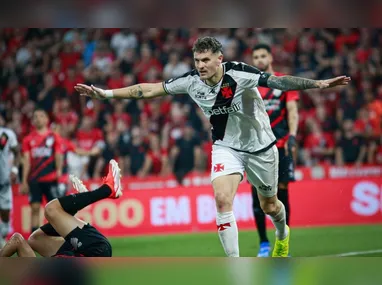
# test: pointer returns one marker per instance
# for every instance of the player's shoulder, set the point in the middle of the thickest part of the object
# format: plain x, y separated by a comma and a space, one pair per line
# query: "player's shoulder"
29, 136
240, 66
190, 74
8, 131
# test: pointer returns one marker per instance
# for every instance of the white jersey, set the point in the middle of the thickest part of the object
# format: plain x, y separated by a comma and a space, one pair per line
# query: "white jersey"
8, 140
234, 106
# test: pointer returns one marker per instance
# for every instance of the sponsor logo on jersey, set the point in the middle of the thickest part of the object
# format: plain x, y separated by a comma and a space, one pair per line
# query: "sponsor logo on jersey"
222, 110
41, 152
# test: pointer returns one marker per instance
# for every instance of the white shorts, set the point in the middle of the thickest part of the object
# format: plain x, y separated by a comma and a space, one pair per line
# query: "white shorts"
6, 198
261, 168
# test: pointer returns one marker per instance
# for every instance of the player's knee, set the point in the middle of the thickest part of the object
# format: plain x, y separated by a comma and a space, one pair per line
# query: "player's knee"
223, 200
35, 208
17, 238
269, 208
34, 238
51, 209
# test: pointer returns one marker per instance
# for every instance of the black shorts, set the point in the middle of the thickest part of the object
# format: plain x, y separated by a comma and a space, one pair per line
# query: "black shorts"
86, 242
286, 167
39, 189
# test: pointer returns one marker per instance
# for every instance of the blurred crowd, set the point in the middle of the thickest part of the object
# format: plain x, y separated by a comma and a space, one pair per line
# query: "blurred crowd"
40, 67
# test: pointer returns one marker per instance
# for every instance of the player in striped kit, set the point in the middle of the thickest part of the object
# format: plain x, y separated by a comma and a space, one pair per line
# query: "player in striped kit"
243, 138
282, 109
42, 164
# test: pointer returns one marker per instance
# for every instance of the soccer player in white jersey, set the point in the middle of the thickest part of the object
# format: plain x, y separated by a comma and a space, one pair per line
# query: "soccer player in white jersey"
8, 175
241, 131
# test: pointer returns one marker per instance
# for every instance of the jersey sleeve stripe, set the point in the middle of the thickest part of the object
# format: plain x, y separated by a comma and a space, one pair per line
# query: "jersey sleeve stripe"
164, 87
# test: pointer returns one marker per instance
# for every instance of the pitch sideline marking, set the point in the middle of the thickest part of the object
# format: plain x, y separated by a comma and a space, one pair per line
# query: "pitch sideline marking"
353, 253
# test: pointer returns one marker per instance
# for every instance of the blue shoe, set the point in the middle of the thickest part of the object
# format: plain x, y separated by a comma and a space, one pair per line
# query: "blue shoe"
265, 249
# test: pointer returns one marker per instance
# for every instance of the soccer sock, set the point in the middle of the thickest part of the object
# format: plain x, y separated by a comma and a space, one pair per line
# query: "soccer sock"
261, 226
283, 196
259, 215
49, 230
228, 233
279, 220
76, 202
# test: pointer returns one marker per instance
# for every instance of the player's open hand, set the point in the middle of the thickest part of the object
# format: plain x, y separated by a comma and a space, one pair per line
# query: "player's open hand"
90, 91
337, 81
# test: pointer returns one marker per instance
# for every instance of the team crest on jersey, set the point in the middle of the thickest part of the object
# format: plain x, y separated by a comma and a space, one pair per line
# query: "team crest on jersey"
277, 92
49, 141
226, 92
3, 140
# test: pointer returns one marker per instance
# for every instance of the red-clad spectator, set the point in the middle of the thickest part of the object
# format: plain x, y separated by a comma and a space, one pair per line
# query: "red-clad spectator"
146, 62
156, 161
69, 56
13, 86
374, 108
346, 37
57, 72
319, 146
120, 114
16, 39
71, 79
66, 116
362, 125
115, 80
88, 136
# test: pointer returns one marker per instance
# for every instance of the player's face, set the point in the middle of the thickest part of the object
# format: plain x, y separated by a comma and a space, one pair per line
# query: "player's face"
207, 63
40, 119
261, 59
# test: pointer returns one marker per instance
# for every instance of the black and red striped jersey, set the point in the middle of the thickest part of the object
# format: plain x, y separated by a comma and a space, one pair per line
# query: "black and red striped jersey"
42, 149
276, 106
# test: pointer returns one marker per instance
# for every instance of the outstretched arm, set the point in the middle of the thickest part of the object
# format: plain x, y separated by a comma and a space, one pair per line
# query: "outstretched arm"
138, 91
288, 82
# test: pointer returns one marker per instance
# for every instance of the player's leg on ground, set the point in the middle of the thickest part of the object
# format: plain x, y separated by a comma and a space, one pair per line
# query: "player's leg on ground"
17, 244
57, 211
283, 196
225, 188
46, 245
61, 221
260, 220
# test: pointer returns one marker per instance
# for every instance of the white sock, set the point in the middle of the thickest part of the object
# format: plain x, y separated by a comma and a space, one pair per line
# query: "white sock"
228, 233
279, 221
